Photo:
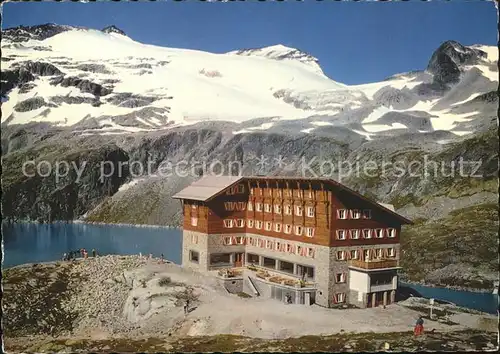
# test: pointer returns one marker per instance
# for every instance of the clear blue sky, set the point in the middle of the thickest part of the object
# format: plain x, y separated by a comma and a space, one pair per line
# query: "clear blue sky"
354, 42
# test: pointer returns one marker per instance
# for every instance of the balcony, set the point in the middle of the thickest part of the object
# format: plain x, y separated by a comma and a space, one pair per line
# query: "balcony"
375, 264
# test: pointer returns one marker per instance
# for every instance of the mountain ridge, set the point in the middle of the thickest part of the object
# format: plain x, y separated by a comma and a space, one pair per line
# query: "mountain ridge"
282, 82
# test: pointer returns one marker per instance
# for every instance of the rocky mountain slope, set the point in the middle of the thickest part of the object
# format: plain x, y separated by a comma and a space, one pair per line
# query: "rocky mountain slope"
257, 111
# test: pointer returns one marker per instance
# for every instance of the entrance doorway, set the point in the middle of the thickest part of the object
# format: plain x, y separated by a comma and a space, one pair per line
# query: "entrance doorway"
238, 259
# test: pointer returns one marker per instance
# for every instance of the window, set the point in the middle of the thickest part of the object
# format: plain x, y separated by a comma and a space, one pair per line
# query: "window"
367, 255
367, 233
230, 191
277, 246
309, 231
241, 188
391, 233
258, 206
250, 206
258, 224
310, 212
298, 230
228, 240
194, 221
342, 214
194, 239
391, 252
241, 206
340, 255
250, 223
354, 254
356, 214
354, 234
277, 227
220, 259
288, 229
268, 226
240, 240
277, 209
341, 234
252, 258
228, 223
340, 277
288, 209
194, 256
269, 245
298, 250
340, 297
288, 247
229, 206
310, 252
240, 223
267, 208
367, 214
379, 233
379, 252
298, 210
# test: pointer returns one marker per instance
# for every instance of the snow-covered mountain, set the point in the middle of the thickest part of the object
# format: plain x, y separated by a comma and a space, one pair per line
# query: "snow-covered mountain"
103, 82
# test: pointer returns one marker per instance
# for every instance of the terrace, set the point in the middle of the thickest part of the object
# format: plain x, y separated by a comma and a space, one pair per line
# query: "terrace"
375, 264
264, 274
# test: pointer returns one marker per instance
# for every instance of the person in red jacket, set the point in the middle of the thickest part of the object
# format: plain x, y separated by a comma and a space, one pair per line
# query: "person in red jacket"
419, 326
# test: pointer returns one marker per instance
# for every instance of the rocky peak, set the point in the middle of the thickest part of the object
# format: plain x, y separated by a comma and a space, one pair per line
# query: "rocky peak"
446, 61
38, 32
113, 29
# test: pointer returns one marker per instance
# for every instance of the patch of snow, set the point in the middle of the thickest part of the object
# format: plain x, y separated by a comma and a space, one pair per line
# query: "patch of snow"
376, 114
307, 131
130, 184
470, 98
365, 134
242, 131
460, 132
321, 124
263, 126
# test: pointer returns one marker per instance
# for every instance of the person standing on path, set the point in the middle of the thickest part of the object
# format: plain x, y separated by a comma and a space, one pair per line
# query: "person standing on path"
93, 252
419, 326
186, 307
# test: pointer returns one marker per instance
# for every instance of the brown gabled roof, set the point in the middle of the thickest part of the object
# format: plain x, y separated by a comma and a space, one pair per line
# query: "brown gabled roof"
209, 187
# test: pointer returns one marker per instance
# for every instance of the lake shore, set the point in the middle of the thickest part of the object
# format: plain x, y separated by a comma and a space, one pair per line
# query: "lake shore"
119, 298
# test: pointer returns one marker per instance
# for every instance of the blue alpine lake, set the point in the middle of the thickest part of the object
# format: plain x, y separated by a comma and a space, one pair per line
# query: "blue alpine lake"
481, 301
34, 243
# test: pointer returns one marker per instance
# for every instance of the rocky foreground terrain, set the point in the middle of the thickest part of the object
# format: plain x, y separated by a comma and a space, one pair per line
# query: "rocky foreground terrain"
129, 304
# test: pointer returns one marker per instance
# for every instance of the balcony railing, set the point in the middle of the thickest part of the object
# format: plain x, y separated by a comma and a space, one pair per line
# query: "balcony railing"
374, 264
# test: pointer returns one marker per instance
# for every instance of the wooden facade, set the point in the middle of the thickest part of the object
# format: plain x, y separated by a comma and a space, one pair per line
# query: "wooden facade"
245, 203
